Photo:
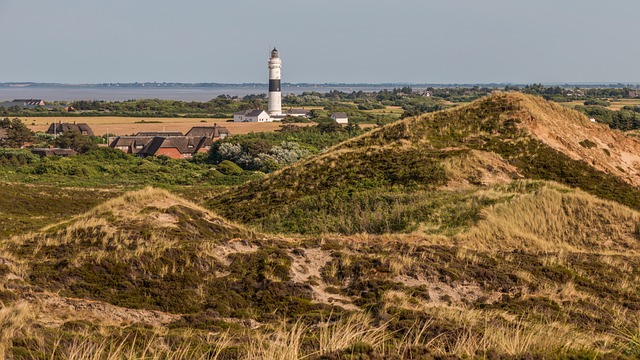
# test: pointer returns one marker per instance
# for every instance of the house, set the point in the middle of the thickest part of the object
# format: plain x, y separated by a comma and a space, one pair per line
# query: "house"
214, 132
3, 134
34, 102
299, 113
131, 144
23, 103
239, 116
61, 128
574, 93
252, 116
177, 147
340, 118
160, 133
634, 93
42, 152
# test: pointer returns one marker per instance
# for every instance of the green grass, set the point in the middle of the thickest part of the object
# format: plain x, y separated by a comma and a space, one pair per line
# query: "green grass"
373, 183
106, 167
25, 208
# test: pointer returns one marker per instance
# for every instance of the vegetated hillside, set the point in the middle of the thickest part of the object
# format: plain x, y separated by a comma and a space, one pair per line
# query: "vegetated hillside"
546, 272
474, 260
28, 207
408, 168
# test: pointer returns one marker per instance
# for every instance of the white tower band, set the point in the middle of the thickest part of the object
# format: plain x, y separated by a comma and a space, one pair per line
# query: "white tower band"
275, 94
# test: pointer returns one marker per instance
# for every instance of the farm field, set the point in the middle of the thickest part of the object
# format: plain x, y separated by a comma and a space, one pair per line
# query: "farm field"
131, 125
615, 105
395, 111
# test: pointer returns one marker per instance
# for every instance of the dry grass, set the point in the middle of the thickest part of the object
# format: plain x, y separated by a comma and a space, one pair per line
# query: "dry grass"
552, 220
480, 331
615, 105
128, 125
114, 228
513, 339
288, 341
478, 167
13, 319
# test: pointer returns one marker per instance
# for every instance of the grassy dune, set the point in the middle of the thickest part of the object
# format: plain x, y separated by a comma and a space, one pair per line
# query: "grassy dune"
413, 168
460, 234
547, 271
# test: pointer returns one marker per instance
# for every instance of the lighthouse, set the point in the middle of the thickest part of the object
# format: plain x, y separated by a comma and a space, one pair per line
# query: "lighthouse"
275, 94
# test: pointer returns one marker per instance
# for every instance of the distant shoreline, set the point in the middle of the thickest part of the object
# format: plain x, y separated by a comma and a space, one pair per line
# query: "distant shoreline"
205, 92
164, 85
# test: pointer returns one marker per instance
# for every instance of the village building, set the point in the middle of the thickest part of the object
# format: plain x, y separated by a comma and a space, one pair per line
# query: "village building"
252, 116
299, 113
178, 147
3, 134
634, 93
239, 116
23, 103
340, 117
42, 152
160, 133
574, 92
170, 143
214, 132
61, 128
131, 144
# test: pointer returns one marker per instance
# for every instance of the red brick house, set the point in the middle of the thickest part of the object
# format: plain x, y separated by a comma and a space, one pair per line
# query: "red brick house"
178, 147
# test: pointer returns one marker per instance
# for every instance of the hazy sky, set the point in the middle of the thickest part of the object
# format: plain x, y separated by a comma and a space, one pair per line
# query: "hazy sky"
416, 41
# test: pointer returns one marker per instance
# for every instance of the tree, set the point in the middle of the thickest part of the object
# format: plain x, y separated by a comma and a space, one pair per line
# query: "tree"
18, 134
329, 127
76, 141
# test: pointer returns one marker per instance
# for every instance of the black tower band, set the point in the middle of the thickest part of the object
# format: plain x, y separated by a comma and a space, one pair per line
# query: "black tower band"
274, 85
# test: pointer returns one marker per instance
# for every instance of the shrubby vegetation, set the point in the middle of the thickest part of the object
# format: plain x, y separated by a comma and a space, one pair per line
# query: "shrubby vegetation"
527, 269
360, 180
268, 152
106, 166
17, 133
624, 119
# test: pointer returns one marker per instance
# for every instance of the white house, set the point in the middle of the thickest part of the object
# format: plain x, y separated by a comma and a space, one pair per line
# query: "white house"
239, 116
252, 116
340, 118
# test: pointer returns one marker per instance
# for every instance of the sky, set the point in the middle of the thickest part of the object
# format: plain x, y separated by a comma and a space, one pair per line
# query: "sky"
320, 41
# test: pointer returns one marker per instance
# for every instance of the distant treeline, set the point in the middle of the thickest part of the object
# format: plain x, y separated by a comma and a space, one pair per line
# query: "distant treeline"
627, 118
360, 106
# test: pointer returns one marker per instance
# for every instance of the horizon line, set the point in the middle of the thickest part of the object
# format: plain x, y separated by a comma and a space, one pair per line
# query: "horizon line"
336, 84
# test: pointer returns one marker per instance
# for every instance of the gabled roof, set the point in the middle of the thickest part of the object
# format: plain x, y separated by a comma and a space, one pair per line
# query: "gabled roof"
133, 142
339, 115
184, 144
242, 112
8, 104
52, 152
160, 133
29, 101
59, 128
255, 113
208, 131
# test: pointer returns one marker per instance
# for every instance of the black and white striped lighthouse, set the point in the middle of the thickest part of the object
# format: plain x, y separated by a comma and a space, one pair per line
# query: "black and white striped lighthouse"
275, 94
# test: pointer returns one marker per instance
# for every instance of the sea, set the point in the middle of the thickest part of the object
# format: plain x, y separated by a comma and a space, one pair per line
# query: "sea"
117, 93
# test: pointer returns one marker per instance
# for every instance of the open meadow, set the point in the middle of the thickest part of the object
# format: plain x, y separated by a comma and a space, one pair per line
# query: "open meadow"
615, 105
130, 125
